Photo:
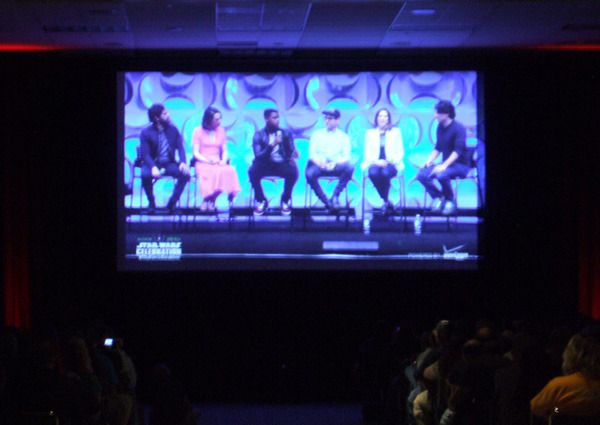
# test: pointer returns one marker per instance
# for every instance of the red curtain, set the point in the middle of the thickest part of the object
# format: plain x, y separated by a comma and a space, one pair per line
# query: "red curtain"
589, 251
16, 247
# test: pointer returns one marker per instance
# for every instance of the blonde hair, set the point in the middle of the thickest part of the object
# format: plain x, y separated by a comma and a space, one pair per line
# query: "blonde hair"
582, 354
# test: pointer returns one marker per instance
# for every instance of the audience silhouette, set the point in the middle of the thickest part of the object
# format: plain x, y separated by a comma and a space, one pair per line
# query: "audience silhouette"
454, 374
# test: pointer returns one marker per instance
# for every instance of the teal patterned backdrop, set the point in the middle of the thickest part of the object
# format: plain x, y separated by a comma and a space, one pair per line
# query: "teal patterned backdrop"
300, 99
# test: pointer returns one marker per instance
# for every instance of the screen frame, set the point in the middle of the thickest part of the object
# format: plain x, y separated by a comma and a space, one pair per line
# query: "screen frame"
260, 65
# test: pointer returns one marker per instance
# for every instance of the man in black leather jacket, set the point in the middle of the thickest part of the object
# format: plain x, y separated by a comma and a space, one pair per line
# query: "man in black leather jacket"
275, 155
162, 154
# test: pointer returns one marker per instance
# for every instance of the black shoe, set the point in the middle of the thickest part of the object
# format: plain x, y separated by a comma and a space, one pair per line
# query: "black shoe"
171, 207
335, 203
151, 208
388, 207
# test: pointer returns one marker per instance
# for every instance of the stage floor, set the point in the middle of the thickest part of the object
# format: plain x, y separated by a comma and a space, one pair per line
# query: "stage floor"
318, 238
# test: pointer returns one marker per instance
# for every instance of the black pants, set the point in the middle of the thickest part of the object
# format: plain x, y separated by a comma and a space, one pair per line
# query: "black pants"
382, 178
342, 171
287, 170
171, 169
445, 179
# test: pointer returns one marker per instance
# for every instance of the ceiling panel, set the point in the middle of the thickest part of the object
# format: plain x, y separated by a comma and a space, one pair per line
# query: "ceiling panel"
174, 25
288, 24
355, 24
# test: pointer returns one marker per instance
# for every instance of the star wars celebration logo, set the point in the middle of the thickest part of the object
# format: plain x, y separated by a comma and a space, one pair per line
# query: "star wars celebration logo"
161, 248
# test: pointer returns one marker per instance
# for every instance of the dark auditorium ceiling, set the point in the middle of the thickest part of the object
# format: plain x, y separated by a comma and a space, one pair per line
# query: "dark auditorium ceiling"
297, 24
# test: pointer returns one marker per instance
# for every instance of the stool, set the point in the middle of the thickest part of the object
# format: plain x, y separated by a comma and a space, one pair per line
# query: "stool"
328, 180
401, 191
272, 179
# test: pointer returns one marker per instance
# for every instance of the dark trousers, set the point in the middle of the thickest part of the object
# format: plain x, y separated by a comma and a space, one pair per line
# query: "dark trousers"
342, 171
382, 178
445, 178
171, 169
287, 170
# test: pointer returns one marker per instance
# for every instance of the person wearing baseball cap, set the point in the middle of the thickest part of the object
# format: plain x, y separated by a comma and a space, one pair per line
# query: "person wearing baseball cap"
329, 155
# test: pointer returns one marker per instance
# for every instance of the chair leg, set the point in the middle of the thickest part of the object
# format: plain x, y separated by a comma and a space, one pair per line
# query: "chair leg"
363, 199
402, 191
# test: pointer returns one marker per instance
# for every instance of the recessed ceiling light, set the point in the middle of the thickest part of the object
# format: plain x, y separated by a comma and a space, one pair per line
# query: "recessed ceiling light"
423, 12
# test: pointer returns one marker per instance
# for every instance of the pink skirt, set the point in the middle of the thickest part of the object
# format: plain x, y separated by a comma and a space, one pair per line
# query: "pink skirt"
214, 179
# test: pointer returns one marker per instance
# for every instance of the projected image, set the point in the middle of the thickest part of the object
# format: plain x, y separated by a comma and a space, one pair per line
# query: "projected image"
331, 168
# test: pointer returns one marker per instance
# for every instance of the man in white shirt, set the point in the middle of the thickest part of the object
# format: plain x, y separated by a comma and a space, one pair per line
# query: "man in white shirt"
329, 155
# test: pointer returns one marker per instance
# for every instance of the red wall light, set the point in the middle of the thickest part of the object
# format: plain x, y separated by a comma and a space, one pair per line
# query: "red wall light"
570, 47
28, 48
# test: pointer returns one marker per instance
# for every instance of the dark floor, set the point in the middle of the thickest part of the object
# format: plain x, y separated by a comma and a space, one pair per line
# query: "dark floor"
306, 414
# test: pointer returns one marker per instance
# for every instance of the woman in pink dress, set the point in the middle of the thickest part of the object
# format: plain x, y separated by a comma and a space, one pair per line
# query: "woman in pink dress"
214, 173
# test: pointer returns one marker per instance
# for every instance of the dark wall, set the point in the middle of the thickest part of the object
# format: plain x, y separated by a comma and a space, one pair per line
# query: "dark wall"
228, 335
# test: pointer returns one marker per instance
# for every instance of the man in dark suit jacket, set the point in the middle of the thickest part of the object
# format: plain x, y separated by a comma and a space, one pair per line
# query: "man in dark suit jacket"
275, 155
159, 143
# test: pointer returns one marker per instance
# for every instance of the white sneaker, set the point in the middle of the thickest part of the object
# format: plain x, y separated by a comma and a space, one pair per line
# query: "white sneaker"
260, 208
449, 208
286, 209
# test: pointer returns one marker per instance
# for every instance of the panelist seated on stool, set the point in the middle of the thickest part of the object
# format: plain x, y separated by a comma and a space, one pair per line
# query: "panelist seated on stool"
384, 156
274, 156
159, 143
215, 174
451, 143
329, 156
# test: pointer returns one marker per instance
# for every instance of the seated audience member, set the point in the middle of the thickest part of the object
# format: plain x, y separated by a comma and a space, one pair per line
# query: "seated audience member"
384, 155
433, 368
577, 393
127, 378
215, 175
414, 374
117, 404
329, 155
274, 155
472, 385
83, 381
423, 409
527, 372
